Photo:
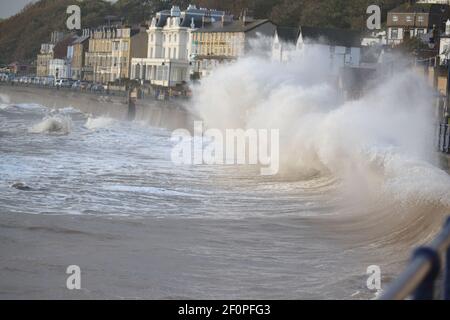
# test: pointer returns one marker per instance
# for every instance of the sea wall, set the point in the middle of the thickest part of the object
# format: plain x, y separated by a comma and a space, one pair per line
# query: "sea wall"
166, 114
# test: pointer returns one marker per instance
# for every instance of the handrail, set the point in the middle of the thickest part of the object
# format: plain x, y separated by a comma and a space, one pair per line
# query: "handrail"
444, 138
419, 278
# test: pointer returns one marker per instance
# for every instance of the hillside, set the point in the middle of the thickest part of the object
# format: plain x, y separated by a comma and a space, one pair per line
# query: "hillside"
22, 34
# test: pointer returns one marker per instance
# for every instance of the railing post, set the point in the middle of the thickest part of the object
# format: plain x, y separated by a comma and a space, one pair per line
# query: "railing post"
446, 284
425, 290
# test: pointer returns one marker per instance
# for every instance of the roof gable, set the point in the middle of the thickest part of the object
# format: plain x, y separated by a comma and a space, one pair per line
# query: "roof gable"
334, 37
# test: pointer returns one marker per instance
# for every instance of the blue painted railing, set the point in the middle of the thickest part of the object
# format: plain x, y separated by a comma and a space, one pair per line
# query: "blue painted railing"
420, 277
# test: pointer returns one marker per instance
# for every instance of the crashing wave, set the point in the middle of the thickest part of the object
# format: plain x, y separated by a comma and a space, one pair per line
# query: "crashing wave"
98, 123
53, 125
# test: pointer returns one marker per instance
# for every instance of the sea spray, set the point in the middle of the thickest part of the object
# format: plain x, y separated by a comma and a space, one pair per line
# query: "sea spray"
380, 146
57, 124
98, 123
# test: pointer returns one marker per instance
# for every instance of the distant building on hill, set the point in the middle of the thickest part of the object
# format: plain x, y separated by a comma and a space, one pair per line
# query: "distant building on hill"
344, 46
411, 20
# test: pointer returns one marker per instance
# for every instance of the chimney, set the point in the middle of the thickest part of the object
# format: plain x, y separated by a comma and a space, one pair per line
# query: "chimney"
246, 16
175, 11
206, 19
226, 19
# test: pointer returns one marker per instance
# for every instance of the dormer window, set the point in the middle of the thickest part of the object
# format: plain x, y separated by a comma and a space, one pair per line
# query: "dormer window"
395, 18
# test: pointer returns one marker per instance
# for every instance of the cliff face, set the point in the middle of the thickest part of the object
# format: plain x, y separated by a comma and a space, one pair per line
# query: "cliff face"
22, 34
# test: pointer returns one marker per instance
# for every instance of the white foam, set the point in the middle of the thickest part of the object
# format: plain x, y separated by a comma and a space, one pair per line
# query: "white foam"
98, 123
57, 124
382, 143
4, 98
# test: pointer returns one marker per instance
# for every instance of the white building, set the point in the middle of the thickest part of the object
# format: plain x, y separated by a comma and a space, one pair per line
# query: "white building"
374, 39
444, 47
60, 65
284, 43
59, 68
168, 56
344, 46
435, 1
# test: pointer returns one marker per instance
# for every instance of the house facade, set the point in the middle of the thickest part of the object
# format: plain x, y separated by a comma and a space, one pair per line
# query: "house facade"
414, 20
343, 45
78, 50
99, 56
59, 66
225, 41
284, 43
167, 63
444, 45
43, 58
110, 50
46, 54
129, 42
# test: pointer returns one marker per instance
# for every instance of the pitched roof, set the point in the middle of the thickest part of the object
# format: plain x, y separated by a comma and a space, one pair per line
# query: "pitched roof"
288, 34
335, 37
233, 26
60, 50
81, 39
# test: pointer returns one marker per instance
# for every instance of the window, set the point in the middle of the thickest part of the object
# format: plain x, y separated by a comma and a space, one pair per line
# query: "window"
394, 33
348, 50
395, 18
420, 19
420, 31
408, 18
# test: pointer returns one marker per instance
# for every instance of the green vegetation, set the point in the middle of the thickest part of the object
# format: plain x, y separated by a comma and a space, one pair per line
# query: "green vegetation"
22, 34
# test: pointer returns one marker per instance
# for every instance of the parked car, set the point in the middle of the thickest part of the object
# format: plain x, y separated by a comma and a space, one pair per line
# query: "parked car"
76, 85
63, 83
97, 87
84, 85
48, 81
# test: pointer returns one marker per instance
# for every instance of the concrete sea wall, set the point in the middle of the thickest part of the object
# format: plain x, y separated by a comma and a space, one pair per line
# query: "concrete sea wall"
166, 114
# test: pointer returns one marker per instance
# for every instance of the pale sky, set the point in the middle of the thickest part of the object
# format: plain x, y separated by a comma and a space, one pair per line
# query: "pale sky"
11, 7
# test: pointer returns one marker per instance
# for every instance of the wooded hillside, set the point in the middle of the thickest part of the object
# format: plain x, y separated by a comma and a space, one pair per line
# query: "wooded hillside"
22, 34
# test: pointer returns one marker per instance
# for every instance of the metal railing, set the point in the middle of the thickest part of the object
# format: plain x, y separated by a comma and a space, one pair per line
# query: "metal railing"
426, 265
444, 138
